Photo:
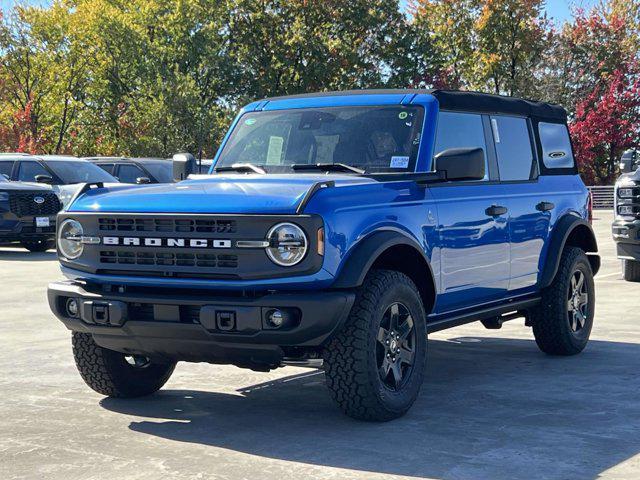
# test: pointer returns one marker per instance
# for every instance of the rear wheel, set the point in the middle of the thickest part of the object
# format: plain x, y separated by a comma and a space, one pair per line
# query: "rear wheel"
563, 320
374, 366
631, 270
115, 374
38, 245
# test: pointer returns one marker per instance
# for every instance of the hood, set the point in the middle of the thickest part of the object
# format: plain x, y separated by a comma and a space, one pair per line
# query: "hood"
629, 178
24, 186
234, 193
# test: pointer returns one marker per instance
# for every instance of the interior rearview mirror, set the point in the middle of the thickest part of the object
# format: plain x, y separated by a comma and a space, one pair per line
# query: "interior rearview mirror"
461, 163
184, 164
48, 179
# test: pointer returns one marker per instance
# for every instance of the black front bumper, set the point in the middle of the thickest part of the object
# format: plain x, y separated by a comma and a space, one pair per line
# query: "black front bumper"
202, 328
17, 229
626, 234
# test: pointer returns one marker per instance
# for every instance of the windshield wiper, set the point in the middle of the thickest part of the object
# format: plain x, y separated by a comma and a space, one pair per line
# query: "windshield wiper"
327, 167
242, 167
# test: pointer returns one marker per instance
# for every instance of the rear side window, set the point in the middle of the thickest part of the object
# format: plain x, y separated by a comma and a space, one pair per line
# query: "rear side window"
460, 130
556, 146
107, 167
513, 148
128, 173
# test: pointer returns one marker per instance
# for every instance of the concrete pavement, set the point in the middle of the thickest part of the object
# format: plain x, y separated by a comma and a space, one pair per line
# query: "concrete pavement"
492, 406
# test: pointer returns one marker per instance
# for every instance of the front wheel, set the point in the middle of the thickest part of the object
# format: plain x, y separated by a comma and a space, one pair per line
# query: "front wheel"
38, 245
374, 366
631, 270
563, 320
115, 374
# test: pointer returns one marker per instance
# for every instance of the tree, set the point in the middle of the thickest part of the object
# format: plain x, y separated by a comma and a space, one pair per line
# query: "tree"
512, 37
445, 35
607, 123
292, 46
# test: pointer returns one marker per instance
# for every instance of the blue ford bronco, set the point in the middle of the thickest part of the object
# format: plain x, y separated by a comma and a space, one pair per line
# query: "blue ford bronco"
336, 229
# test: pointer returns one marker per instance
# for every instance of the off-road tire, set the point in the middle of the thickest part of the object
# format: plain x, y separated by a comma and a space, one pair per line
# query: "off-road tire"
37, 246
108, 372
350, 358
551, 319
631, 270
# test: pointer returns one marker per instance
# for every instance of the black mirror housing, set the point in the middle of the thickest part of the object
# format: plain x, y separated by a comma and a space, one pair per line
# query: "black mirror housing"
461, 163
184, 164
48, 179
143, 180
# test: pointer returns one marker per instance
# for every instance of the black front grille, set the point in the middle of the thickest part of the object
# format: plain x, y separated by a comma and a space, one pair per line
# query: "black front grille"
24, 204
202, 260
167, 225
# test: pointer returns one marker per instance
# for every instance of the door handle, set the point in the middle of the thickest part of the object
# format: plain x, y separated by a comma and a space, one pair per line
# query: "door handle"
495, 210
545, 206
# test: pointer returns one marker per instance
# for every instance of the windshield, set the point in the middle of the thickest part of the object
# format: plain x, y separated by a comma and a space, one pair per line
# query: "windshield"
79, 171
374, 139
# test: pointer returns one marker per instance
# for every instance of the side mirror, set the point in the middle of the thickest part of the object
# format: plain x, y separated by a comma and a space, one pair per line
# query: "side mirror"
184, 164
48, 179
143, 180
628, 161
460, 163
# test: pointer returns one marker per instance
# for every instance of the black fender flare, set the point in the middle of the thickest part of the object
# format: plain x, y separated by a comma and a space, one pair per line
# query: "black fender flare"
564, 227
364, 254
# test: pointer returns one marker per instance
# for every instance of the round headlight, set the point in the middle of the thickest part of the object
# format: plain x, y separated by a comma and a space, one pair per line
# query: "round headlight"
287, 244
70, 239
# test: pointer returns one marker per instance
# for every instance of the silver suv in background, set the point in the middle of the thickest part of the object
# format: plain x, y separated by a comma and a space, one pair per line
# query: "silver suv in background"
64, 173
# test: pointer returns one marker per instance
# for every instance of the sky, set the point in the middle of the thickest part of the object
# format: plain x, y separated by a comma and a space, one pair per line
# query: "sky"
559, 10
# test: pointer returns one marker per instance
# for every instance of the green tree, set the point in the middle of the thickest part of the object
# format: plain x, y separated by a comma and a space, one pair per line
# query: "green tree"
512, 37
292, 46
445, 37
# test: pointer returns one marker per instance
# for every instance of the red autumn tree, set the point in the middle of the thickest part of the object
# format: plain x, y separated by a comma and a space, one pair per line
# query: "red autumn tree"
18, 136
606, 123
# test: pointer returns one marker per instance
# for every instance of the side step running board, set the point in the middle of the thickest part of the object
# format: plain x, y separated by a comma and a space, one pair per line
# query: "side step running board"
511, 308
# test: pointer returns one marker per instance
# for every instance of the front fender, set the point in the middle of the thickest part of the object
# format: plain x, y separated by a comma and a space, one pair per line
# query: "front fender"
357, 264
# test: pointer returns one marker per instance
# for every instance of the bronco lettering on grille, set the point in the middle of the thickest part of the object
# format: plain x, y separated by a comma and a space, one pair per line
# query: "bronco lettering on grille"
167, 242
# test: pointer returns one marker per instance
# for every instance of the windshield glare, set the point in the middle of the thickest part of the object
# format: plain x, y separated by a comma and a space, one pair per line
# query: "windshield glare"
79, 172
375, 139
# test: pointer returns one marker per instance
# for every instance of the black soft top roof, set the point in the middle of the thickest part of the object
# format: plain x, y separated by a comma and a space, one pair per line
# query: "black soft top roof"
486, 103
464, 101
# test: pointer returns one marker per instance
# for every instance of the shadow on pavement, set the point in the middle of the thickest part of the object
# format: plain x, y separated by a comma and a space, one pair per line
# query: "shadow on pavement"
23, 255
489, 408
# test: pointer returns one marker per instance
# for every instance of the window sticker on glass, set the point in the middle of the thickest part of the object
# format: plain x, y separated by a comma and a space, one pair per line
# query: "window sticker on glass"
250, 121
274, 153
496, 132
399, 162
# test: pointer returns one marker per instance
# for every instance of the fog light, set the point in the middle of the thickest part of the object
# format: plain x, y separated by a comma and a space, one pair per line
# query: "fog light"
72, 307
625, 210
275, 318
